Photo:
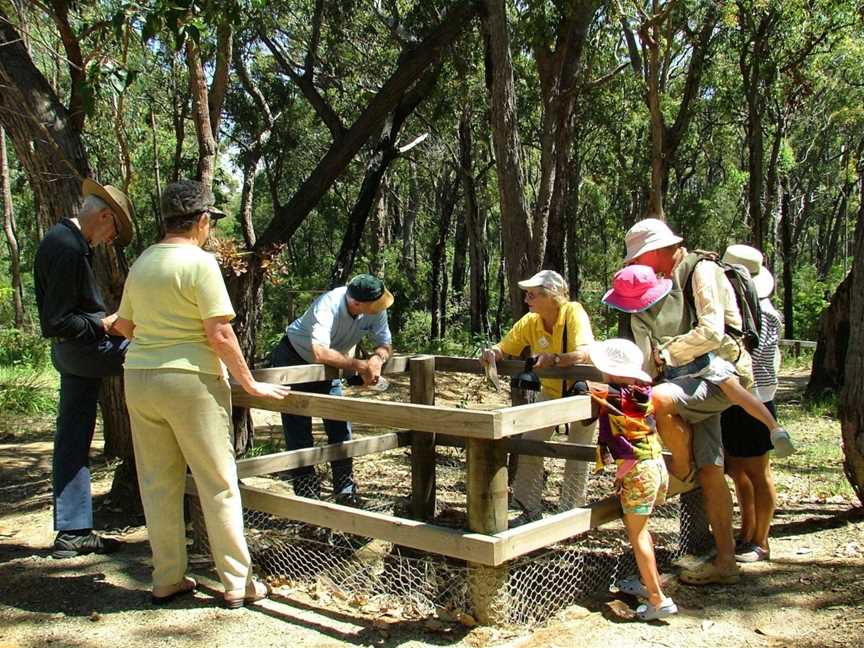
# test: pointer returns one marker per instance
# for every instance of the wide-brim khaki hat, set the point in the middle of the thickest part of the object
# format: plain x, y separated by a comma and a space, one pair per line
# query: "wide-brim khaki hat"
647, 235
119, 204
752, 259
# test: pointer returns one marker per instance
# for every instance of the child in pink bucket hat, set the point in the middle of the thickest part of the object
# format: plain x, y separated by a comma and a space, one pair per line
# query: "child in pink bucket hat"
636, 288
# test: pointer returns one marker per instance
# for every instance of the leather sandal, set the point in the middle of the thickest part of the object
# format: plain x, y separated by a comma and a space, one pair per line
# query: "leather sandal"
708, 574
185, 586
255, 591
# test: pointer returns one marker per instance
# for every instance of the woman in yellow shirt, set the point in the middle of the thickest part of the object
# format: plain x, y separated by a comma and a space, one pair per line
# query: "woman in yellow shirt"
542, 330
176, 311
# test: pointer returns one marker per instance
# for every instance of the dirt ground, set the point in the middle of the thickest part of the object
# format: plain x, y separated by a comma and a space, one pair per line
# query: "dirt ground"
810, 594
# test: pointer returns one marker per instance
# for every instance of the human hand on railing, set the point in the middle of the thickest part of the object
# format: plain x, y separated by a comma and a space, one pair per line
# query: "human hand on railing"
488, 356
267, 390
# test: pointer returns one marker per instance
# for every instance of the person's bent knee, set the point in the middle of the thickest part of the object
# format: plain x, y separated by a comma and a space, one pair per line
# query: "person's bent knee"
663, 400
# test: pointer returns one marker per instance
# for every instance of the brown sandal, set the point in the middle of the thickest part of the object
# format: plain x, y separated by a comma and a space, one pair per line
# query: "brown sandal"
186, 586
236, 599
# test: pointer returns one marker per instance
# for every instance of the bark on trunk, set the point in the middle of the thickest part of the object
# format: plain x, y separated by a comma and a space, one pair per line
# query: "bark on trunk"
516, 232
201, 114
11, 236
475, 226
852, 395
829, 362
446, 202
788, 253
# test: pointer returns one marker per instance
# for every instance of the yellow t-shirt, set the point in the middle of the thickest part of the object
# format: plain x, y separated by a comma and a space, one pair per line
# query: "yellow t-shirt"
529, 331
170, 291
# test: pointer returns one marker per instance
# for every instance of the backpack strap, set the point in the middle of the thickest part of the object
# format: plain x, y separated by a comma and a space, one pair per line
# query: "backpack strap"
564, 350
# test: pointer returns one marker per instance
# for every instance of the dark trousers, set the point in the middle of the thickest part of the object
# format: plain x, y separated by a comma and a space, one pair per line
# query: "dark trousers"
82, 367
298, 430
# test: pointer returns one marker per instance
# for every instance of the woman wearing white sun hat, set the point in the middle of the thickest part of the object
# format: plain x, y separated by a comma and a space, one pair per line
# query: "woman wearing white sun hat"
557, 332
747, 441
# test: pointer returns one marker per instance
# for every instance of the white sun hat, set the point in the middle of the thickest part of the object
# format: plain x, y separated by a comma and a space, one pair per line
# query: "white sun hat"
549, 280
752, 259
646, 235
618, 357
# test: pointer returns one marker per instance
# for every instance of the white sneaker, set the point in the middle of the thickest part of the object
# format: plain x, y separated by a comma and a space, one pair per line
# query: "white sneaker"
782, 443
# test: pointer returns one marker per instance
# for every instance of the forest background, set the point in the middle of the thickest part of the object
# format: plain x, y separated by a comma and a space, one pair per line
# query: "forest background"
452, 148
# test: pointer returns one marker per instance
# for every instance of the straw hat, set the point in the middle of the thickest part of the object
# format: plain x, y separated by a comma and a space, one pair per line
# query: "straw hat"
119, 204
752, 259
370, 289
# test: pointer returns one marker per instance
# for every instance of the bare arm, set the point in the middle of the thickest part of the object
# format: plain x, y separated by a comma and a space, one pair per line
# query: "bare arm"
369, 369
222, 339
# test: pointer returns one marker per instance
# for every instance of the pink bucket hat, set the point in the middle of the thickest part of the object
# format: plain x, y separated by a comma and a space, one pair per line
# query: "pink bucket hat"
635, 288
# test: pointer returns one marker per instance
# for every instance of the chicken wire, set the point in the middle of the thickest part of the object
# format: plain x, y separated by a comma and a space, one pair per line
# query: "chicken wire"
374, 576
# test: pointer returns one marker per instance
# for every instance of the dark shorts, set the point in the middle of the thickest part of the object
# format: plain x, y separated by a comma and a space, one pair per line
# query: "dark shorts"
743, 435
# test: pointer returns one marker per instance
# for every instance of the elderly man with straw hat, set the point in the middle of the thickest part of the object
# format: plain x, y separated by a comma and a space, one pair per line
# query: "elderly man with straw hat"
85, 348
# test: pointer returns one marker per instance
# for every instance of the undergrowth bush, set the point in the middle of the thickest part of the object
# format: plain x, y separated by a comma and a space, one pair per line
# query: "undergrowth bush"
22, 349
25, 391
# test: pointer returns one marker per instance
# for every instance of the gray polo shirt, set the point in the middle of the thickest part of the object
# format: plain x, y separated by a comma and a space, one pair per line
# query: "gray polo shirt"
328, 323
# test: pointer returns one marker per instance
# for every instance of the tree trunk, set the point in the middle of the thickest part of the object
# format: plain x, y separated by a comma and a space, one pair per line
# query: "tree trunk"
516, 233
475, 225
11, 236
788, 252
410, 218
201, 114
829, 361
446, 202
852, 395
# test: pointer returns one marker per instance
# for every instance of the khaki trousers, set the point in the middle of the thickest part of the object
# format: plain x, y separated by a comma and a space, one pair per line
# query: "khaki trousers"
527, 484
182, 418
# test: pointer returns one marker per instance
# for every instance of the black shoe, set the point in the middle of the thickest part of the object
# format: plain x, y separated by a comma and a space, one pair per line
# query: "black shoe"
69, 545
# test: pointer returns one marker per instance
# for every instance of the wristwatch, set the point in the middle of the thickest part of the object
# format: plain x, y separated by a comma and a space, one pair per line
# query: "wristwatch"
557, 360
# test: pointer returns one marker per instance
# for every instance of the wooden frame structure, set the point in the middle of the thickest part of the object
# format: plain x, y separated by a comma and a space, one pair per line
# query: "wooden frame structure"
488, 436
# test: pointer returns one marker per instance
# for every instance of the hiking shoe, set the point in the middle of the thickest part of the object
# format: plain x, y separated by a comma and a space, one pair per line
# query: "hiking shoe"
70, 545
751, 553
782, 443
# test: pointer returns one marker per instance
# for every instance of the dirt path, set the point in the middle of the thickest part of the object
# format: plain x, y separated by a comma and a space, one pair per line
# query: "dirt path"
811, 594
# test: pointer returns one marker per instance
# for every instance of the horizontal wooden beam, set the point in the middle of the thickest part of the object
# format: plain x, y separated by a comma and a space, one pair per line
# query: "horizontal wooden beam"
545, 414
297, 374
408, 416
801, 344
473, 547
320, 454
513, 367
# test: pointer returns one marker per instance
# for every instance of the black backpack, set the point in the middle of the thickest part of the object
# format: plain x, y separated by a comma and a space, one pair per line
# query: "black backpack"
745, 296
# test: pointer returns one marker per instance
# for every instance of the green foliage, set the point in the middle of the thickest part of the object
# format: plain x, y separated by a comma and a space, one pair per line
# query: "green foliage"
22, 349
812, 295
25, 391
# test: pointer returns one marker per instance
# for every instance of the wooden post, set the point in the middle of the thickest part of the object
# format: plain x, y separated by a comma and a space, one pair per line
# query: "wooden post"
517, 397
487, 513
422, 371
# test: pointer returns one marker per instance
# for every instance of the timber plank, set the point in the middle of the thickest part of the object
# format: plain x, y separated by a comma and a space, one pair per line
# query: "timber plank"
475, 547
320, 454
407, 416
545, 414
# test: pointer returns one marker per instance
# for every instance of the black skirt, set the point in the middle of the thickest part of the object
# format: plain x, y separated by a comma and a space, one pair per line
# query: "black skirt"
743, 435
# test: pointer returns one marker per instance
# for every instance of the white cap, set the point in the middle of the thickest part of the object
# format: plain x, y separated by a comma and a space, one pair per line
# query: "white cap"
752, 260
618, 357
548, 280
646, 235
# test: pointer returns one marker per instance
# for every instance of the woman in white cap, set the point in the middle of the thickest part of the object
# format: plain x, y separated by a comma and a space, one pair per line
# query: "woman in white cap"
745, 439
557, 332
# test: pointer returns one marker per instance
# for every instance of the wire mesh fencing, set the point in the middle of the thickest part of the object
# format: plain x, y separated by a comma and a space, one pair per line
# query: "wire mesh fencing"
375, 576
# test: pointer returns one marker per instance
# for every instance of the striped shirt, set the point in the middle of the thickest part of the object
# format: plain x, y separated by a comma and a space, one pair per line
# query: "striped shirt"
764, 369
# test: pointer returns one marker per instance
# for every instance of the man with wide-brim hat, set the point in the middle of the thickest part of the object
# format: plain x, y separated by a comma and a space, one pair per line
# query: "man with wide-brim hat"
326, 334
85, 349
